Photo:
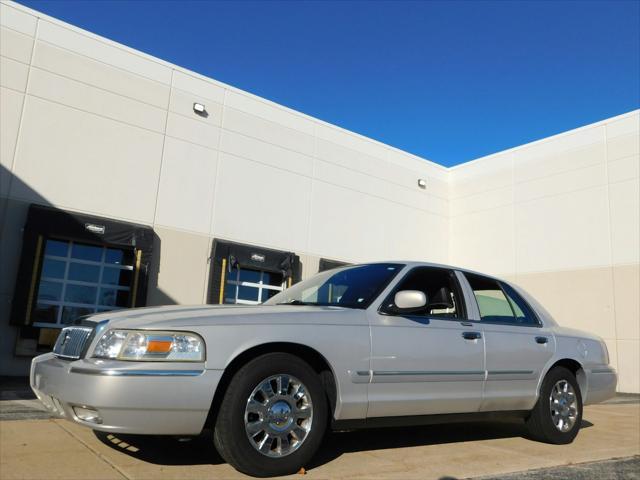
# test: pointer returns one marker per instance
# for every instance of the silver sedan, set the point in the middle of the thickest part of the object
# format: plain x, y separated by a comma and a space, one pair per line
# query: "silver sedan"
394, 343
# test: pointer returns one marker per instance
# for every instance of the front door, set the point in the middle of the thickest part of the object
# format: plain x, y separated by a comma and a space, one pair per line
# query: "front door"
428, 362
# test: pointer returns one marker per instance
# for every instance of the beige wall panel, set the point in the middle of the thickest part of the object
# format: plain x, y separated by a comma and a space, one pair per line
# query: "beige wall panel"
624, 198
563, 232
15, 45
267, 131
102, 75
267, 153
270, 111
626, 282
624, 169
185, 197
414, 235
11, 102
192, 130
484, 241
591, 176
332, 173
310, 265
101, 166
182, 103
581, 138
628, 362
334, 207
103, 50
351, 140
623, 125
181, 274
623, 146
576, 298
416, 164
206, 89
498, 197
249, 209
17, 19
75, 94
529, 168
13, 74
488, 173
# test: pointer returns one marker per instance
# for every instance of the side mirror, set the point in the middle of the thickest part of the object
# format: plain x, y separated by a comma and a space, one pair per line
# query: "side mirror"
407, 301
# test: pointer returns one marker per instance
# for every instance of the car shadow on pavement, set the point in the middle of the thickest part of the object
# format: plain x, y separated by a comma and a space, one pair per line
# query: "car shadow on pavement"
199, 450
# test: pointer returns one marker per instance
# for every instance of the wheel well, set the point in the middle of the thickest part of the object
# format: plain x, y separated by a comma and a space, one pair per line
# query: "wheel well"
308, 354
577, 370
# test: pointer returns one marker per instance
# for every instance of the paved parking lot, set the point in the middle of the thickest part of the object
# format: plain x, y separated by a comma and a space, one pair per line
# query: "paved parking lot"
33, 446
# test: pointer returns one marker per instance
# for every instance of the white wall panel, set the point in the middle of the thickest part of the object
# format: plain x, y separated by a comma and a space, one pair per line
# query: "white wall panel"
185, 196
192, 130
270, 111
182, 103
17, 19
624, 198
261, 205
84, 97
102, 75
13, 74
103, 50
98, 166
15, 45
11, 102
205, 89
563, 232
268, 131
267, 153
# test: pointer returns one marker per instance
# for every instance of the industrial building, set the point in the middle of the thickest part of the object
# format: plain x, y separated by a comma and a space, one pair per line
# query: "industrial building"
128, 181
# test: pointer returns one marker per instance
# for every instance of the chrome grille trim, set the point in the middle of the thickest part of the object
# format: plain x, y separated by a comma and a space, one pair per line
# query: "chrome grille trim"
71, 342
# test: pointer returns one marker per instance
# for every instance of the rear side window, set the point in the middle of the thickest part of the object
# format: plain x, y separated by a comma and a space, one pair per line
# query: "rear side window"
500, 303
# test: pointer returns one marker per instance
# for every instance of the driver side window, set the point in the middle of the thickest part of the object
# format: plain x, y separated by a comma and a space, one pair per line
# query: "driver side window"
440, 287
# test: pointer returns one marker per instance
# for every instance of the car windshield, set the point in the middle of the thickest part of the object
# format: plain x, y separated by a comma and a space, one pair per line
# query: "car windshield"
350, 287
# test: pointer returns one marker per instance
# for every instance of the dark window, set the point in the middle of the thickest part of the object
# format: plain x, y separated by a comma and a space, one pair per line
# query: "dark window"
499, 303
440, 287
350, 287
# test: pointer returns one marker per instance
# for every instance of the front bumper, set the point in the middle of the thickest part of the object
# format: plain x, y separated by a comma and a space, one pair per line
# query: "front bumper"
131, 397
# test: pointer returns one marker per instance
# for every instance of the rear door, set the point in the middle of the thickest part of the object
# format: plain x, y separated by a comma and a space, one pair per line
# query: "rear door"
517, 345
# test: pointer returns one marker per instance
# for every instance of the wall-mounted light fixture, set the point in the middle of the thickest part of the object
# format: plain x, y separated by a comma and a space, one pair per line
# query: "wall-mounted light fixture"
422, 183
200, 109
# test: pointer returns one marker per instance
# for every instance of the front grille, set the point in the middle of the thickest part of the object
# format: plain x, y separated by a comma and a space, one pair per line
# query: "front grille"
71, 342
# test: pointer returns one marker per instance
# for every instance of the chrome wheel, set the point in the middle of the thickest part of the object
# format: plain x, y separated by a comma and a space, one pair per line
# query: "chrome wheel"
278, 415
563, 405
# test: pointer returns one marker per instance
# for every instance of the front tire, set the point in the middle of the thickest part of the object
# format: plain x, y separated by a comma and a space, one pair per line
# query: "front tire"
273, 416
557, 415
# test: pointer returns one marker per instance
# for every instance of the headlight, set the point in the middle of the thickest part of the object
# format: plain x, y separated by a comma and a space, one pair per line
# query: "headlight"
151, 346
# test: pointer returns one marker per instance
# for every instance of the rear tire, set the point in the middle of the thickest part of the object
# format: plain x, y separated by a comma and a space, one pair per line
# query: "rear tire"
557, 415
273, 416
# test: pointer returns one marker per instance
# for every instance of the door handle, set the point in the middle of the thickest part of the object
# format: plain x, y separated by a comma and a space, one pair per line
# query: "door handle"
542, 340
471, 335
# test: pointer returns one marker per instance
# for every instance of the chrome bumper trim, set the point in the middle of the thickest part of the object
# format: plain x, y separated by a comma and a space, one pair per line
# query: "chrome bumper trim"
137, 373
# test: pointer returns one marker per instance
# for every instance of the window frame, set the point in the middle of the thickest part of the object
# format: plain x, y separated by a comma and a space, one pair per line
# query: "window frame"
458, 292
537, 322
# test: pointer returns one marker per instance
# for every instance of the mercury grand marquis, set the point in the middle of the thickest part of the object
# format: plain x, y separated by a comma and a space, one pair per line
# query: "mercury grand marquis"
367, 345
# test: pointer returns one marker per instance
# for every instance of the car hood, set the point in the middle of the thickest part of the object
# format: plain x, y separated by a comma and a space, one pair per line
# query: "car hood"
202, 315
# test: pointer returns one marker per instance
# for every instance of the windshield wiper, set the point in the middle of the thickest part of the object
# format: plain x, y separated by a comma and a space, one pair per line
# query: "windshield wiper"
295, 302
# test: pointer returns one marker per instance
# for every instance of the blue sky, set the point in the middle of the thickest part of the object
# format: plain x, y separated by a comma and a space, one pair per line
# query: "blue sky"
449, 81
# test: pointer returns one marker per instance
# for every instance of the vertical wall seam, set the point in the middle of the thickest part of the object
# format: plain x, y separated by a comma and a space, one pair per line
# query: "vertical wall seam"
610, 239
313, 181
164, 141
208, 256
